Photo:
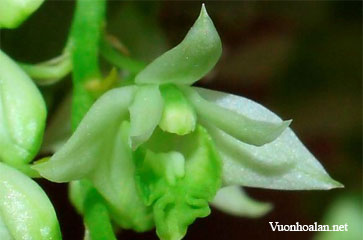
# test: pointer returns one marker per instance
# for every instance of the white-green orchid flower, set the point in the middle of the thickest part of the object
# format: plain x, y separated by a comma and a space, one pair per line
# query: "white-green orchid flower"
159, 150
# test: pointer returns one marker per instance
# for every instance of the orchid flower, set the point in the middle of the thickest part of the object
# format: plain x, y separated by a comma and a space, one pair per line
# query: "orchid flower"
159, 150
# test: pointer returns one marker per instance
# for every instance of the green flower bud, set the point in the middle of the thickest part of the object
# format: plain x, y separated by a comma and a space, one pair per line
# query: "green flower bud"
14, 12
22, 114
25, 210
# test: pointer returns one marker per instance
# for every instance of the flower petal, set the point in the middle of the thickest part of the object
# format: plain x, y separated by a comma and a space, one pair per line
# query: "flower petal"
238, 125
25, 208
145, 113
282, 164
92, 140
233, 200
189, 61
114, 179
99, 151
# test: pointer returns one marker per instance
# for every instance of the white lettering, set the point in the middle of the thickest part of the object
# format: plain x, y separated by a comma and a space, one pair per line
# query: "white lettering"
311, 228
273, 227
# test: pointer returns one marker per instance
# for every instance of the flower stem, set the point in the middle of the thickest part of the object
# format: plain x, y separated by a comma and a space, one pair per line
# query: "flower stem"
96, 217
85, 38
118, 59
46, 74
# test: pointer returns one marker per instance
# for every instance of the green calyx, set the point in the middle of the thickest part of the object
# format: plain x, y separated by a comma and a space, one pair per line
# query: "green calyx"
178, 115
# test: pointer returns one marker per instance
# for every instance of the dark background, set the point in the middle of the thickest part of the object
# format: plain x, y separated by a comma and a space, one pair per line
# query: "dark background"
302, 60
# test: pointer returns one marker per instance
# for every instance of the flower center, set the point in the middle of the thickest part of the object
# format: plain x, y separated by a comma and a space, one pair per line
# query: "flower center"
178, 115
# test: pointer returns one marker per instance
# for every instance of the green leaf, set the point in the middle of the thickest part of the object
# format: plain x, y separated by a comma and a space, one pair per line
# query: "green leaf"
234, 123
189, 61
178, 179
24, 208
99, 151
13, 13
145, 113
22, 114
282, 164
235, 201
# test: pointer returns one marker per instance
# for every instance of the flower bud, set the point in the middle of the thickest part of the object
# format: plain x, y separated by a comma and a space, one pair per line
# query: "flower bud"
22, 114
14, 12
26, 212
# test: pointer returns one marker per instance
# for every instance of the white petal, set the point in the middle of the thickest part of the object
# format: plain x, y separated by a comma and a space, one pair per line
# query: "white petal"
282, 164
233, 200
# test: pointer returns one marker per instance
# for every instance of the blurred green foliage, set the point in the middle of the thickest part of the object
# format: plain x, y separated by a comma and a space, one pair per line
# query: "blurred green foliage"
346, 209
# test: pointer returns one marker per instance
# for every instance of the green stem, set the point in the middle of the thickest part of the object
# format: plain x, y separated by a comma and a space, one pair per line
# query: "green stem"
85, 38
96, 217
118, 59
51, 71
45, 74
